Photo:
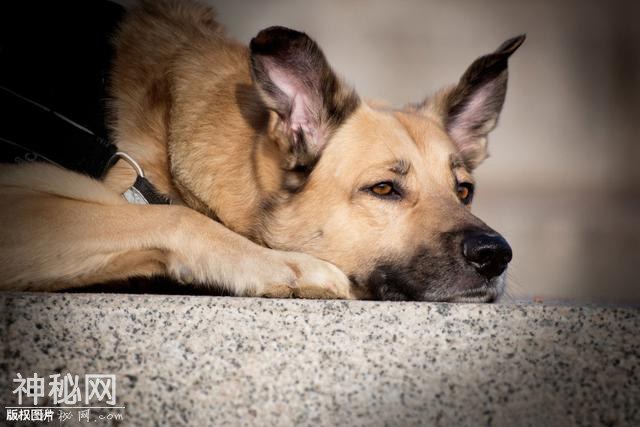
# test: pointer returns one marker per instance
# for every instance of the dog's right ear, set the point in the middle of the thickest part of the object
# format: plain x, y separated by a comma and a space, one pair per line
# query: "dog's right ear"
294, 79
470, 109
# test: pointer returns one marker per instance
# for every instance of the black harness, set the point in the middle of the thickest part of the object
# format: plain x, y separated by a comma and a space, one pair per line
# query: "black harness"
55, 59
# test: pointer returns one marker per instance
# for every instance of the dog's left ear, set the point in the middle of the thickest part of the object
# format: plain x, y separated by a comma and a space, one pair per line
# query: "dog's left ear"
294, 80
470, 109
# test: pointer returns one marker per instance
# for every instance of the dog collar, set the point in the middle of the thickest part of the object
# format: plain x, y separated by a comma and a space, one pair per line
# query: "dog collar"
141, 192
94, 160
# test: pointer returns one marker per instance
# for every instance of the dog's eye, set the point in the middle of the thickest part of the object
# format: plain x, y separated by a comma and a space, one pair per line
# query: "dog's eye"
465, 192
385, 189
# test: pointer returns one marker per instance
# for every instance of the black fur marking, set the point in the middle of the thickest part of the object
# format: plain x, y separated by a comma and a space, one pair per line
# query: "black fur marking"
429, 271
437, 273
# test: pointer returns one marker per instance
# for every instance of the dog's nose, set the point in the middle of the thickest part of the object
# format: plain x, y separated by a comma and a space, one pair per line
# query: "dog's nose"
488, 253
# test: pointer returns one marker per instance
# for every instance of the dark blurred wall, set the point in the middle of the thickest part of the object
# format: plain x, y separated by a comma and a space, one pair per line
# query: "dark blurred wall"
563, 179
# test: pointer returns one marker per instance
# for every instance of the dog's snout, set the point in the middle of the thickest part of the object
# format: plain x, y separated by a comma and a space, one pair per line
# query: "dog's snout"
488, 253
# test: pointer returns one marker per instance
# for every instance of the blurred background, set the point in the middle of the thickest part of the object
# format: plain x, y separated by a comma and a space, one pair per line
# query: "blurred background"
562, 182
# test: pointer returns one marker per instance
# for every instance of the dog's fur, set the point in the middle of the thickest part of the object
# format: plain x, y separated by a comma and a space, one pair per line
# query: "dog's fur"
270, 160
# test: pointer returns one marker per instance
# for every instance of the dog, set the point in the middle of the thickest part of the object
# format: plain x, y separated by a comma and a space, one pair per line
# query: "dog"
283, 182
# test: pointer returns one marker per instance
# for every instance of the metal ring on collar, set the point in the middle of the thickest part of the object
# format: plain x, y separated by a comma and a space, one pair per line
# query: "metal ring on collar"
127, 158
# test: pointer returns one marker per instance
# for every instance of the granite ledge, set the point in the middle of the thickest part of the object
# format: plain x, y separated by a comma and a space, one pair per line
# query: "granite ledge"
199, 360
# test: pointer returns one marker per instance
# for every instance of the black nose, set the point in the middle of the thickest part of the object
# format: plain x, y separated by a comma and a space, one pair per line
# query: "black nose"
488, 253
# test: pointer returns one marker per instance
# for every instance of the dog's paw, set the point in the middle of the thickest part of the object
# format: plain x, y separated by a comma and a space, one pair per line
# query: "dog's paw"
304, 276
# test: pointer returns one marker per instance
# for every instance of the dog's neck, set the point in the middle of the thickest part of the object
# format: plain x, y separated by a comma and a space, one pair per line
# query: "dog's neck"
224, 159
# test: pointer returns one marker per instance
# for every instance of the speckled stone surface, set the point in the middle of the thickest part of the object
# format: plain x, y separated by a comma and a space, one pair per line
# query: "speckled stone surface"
236, 361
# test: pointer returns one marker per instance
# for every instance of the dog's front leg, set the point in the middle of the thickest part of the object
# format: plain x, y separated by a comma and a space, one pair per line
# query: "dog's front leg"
204, 251
48, 242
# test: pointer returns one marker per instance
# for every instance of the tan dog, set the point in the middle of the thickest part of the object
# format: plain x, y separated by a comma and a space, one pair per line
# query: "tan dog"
283, 181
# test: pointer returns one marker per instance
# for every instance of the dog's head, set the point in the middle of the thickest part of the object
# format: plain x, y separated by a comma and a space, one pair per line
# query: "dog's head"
384, 194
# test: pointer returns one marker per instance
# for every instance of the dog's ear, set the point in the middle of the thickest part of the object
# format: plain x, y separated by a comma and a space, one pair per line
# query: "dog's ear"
294, 79
470, 109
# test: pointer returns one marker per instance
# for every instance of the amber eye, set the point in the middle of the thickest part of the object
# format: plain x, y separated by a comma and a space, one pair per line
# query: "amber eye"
383, 189
388, 190
465, 192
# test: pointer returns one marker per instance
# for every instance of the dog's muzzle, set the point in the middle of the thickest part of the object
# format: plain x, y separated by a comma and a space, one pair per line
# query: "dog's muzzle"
464, 266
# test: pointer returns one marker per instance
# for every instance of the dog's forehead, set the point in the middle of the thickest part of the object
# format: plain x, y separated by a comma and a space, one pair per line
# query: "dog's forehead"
379, 135
427, 134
